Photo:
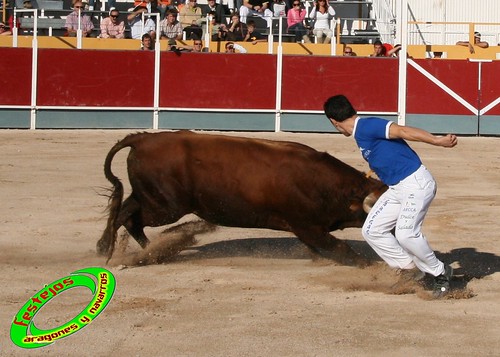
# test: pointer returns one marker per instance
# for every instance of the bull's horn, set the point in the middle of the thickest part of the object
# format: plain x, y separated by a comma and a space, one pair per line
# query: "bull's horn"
369, 201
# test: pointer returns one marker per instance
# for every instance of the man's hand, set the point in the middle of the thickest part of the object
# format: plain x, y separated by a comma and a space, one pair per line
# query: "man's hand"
447, 141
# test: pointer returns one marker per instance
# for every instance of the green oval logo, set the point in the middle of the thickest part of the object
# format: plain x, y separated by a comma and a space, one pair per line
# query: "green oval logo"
101, 283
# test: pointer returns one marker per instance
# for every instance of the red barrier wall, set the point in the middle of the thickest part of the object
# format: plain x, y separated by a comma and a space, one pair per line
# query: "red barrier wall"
15, 76
95, 78
371, 84
212, 80
126, 79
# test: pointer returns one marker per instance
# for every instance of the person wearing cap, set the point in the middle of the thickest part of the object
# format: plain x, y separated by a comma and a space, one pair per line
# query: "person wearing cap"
112, 26
477, 42
137, 26
72, 21
170, 27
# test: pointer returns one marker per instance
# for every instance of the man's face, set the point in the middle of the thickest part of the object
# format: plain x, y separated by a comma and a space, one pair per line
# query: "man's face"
171, 18
378, 49
197, 46
211, 3
192, 3
146, 42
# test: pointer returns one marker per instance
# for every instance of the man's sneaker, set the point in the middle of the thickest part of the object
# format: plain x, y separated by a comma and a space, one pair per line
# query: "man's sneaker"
442, 283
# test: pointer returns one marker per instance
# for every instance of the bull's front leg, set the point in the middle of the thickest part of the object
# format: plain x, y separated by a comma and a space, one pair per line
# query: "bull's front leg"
336, 249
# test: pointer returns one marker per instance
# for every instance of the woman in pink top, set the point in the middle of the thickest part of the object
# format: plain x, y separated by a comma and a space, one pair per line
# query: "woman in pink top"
295, 20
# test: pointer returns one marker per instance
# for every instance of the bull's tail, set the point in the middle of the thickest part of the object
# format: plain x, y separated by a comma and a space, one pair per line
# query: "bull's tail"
106, 245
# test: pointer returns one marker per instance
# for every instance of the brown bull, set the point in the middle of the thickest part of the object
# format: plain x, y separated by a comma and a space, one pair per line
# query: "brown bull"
238, 182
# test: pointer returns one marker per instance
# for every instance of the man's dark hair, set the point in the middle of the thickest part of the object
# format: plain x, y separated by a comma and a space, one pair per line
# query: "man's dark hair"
339, 108
146, 35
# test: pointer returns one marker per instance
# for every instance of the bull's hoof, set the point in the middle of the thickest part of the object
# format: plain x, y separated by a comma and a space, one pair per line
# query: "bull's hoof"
102, 248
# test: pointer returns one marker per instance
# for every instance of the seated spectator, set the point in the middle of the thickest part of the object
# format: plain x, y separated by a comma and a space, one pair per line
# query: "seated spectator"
140, 26
256, 8
379, 50
236, 30
252, 35
279, 8
170, 27
196, 47
349, 52
191, 20
216, 10
72, 21
4, 30
163, 6
477, 42
394, 52
111, 26
323, 13
216, 33
232, 47
296, 22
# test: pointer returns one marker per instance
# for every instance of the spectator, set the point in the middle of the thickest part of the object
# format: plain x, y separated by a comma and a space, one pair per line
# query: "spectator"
147, 42
197, 47
236, 30
4, 30
139, 25
477, 42
252, 35
296, 22
349, 52
217, 9
163, 6
394, 52
232, 47
323, 13
170, 27
150, 5
379, 49
72, 21
279, 8
216, 32
111, 26
191, 20
256, 8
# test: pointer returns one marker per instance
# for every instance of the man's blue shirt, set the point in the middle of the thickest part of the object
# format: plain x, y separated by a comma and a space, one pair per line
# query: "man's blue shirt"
392, 159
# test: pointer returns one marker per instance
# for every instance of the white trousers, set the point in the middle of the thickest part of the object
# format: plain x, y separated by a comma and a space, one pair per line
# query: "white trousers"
403, 207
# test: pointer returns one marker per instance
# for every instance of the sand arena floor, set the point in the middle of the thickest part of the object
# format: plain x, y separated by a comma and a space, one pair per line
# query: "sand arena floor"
242, 292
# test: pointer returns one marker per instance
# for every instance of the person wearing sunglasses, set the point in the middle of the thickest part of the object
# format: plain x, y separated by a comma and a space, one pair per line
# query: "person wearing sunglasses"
112, 26
349, 52
296, 17
71, 24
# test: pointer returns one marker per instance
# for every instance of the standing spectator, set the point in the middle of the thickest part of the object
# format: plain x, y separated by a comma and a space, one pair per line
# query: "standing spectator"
138, 26
252, 35
72, 21
147, 42
296, 22
111, 26
170, 27
190, 17
477, 42
323, 13
256, 8
236, 30
232, 47
218, 9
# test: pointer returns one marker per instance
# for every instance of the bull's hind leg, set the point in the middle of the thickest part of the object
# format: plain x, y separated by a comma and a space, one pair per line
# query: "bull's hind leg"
130, 218
336, 249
